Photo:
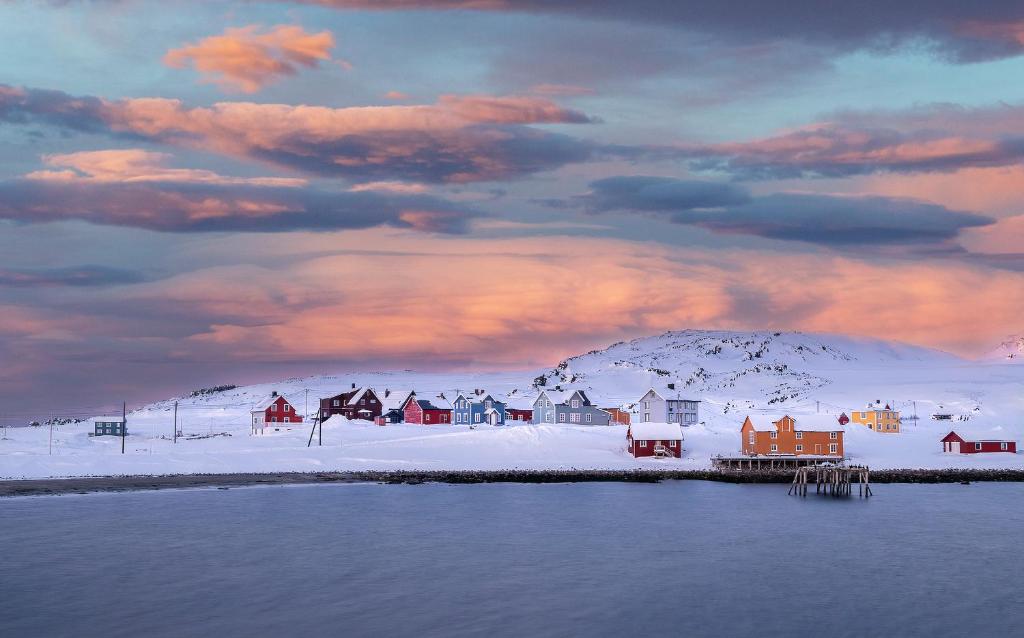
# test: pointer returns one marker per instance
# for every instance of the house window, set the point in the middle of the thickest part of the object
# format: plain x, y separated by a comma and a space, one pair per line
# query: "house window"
574, 417
775, 448
476, 417
643, 443
977, 447
373, 400
273, 419
647, 405
561, 418
799, 435
362, 401
833, 435
287, 419
336, 402
575, 403
671, 443
799, 448
590, 419
833, 448
751, 437
775, 435
273, 408
1002, 446
287, 407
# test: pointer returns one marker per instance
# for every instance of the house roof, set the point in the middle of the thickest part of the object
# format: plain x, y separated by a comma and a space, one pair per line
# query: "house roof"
803, 422
108, 419
394, 400
563, 396
954, 436
656, 431
436, 403
265, 403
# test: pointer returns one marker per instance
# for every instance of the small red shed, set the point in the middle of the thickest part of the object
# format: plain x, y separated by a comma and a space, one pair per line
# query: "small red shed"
655, 439
953, 443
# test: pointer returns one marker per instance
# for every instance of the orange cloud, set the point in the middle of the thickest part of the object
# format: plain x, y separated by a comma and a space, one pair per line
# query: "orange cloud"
246, 59
134, 165
437, 302
990, 190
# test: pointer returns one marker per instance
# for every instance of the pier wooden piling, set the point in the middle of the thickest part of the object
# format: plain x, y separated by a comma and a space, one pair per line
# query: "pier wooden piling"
833, 480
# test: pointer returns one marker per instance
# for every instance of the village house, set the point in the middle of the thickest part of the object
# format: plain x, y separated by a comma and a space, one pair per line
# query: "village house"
660, 407
472, 408
813, 434
618, 416
274, 411
393, 406
109, 426
357, 403
953, 443
567, 407
877, 418
435, 411
518, 411
655, 439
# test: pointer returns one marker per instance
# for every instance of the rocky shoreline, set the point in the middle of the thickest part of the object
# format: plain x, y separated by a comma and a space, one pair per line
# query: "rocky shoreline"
83, 485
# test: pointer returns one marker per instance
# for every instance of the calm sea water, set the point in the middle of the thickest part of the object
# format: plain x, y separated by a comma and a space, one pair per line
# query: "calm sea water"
598, 559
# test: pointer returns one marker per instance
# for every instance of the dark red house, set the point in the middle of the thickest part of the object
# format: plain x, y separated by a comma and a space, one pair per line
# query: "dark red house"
518, 414
953, 443
428, 412
357, 403
273, 411
655, 439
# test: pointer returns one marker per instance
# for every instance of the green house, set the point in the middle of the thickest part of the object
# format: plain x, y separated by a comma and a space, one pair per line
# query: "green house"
109, 425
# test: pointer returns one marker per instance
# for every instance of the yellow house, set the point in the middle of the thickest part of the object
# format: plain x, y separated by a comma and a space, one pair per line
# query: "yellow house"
877, 418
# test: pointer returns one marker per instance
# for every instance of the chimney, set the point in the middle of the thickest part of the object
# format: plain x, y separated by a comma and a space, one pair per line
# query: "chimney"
353, 386
671, 386
273, 393
387, 393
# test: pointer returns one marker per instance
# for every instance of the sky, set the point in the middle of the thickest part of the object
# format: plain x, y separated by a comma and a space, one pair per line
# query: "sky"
202, 193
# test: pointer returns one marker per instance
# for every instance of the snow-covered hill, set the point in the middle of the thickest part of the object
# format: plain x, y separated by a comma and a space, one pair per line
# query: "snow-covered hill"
731, 373
1010, 350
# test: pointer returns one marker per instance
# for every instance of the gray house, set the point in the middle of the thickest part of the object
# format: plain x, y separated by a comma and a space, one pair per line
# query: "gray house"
570, 408
656, 407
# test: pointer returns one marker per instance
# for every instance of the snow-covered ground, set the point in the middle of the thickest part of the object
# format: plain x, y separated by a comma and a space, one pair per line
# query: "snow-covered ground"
733, 374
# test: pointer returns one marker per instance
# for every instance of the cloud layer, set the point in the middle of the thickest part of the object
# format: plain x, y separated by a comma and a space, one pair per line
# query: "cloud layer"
820, 219
457, 139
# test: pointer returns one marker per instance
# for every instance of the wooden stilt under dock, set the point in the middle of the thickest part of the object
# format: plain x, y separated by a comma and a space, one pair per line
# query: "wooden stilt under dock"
833, 480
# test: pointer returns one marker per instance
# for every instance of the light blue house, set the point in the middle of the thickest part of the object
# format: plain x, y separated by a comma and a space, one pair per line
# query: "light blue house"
571, 407
473, 408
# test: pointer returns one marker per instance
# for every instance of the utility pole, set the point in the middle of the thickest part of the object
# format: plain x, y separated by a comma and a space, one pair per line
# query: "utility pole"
817, 407
51, 434
175, 422
306, 408
124, 423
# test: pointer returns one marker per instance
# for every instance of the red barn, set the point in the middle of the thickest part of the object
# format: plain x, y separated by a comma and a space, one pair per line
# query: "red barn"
426, 412
275, 409
953, 443
655, 439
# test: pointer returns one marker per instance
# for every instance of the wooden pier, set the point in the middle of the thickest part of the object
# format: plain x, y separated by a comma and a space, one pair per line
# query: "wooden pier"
832, 480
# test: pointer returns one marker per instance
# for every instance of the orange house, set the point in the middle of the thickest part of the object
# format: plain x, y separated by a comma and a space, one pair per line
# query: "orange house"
619, 416
816, 435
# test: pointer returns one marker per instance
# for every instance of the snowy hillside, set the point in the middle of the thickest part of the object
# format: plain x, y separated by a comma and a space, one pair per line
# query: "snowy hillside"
1010, 351
732, 373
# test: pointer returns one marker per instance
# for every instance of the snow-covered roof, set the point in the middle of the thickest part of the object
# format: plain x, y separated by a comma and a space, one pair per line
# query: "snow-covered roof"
266, 401
394, 400
804, 422
655, 431
108, 419
563, 396
434, 403
968, 436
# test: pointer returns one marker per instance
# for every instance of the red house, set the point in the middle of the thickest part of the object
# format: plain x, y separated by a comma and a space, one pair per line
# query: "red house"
518, 414
357, 403
272, 411
655, 439
427, 412
953, 443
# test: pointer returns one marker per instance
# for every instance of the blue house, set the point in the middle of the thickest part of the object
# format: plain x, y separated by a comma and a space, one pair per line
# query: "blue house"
472, 408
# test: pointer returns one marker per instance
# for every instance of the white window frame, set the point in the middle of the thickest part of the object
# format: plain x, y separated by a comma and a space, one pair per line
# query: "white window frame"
799, 448
775, 448
575, 403
590, 418
799, 434
752, 437
1003, 445
833, 448
774, 434
561, 417
833, 435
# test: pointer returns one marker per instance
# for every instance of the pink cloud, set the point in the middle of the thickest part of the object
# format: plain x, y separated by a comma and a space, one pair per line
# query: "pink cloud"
246, 58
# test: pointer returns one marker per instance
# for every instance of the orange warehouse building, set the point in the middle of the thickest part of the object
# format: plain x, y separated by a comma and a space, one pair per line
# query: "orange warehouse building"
813, 434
